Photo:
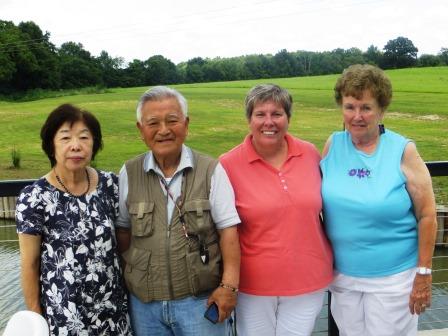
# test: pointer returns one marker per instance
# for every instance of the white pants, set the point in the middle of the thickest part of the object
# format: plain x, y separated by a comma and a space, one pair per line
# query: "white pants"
373, 306
277, 315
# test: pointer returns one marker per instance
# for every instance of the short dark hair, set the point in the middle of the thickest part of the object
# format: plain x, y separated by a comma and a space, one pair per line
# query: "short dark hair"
358, 78
268, 92
69, 113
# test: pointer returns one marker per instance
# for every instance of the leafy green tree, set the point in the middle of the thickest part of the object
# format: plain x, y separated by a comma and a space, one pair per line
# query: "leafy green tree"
212, 70
253, 67
352, 56
16, 57
399, 53
7, 64
195, 70
373, 55
78, 67
223, 69
443, 56
426, 60
284, 64
73, 49
304, 61
181, 69
328, 62
111, 69
46, 72
7, 68
160, 70
134, 74
27, 58
268, 65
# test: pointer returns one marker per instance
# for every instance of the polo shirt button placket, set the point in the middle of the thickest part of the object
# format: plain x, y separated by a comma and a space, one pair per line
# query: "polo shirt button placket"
283, 182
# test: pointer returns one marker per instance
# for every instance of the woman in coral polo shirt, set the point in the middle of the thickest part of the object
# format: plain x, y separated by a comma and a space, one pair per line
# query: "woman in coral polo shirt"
286, 260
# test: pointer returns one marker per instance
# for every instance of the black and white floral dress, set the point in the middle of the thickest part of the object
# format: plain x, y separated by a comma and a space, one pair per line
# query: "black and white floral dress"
81, 283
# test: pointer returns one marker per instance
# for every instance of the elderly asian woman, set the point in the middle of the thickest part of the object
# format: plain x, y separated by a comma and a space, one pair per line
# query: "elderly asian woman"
65, 220
379, 211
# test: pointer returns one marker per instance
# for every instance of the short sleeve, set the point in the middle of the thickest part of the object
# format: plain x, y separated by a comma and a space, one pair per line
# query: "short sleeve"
222, 200
115, 193
30, 211
123, 219
112, 193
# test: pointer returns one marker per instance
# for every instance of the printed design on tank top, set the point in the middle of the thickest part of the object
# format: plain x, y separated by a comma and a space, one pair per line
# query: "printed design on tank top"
360, 173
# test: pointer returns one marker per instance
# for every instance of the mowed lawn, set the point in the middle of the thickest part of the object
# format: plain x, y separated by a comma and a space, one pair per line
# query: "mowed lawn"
419, 110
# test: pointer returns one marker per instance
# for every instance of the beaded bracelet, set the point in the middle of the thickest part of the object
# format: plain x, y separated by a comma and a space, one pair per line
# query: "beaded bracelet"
233, 289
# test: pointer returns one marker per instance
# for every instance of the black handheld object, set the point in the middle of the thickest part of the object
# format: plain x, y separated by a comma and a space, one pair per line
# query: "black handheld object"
212, 313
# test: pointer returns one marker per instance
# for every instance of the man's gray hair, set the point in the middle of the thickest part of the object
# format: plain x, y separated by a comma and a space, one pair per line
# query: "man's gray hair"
158, 93
268, 92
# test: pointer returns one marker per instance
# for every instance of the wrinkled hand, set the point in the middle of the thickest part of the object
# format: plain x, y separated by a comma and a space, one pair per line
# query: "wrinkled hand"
225, 299
420, 297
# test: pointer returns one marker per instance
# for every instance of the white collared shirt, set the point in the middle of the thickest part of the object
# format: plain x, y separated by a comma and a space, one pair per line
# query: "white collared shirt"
222, 197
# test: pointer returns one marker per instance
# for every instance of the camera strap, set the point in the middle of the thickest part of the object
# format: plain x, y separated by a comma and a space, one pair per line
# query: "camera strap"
203, 248
177, 203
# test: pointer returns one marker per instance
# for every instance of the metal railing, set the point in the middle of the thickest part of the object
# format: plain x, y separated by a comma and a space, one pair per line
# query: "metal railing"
11, 188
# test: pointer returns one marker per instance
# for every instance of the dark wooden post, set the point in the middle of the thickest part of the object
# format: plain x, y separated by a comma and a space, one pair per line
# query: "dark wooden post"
332, 327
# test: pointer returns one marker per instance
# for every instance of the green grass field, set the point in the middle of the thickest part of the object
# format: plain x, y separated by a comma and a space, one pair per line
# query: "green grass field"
419, 110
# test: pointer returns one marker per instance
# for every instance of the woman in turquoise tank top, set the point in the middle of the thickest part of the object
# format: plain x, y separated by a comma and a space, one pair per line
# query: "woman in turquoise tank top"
380, 214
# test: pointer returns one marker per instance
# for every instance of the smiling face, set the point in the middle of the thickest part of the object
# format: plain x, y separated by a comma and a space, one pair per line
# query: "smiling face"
72, 146
268, 124
163, 128
362, 116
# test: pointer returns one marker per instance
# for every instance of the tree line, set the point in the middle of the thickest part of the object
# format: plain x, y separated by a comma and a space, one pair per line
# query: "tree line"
28, 60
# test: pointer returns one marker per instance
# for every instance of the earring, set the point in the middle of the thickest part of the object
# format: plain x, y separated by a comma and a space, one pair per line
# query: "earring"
381, 128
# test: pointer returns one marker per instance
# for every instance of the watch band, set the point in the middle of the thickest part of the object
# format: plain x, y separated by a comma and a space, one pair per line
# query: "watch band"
424, 270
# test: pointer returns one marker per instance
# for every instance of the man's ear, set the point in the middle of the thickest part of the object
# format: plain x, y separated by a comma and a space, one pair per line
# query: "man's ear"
187, 122
140, 128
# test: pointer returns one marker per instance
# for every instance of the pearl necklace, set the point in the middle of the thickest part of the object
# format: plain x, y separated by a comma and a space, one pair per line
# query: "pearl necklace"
68, 191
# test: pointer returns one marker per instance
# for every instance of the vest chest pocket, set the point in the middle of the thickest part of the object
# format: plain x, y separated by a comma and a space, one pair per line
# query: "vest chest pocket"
198, 216
141, 214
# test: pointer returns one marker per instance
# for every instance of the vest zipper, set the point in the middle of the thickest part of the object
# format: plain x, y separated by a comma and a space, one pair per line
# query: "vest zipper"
168, 260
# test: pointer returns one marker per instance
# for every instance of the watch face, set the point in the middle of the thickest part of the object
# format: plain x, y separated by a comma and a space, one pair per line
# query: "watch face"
423, 270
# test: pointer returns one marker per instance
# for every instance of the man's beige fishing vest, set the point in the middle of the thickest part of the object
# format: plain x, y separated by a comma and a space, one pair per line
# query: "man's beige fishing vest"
162, 263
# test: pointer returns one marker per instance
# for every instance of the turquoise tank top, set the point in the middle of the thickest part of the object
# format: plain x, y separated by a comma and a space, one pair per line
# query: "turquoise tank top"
369, 216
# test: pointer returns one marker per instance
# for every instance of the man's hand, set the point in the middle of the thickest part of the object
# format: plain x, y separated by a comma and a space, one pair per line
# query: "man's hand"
225, 299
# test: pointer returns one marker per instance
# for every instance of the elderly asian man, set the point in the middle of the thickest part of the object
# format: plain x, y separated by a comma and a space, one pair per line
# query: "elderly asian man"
177, 228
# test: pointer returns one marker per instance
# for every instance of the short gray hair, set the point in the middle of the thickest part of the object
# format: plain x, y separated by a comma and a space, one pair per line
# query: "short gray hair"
268, 92
158, 93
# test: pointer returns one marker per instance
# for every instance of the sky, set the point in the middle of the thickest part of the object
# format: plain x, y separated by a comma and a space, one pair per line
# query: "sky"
183, 29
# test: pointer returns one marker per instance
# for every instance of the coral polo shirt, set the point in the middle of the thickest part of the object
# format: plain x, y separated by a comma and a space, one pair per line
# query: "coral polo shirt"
283, 247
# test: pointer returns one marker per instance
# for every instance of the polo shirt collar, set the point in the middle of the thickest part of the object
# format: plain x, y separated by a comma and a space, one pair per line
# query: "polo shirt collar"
186, 161
294, 148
